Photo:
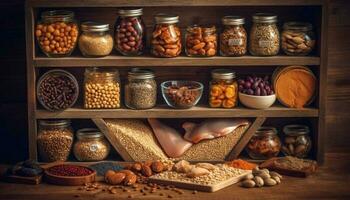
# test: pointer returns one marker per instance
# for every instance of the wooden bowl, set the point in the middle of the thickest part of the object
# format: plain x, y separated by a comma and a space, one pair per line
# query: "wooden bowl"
69, 180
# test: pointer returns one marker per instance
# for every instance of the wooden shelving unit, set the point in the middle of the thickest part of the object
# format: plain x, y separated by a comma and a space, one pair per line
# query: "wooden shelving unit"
314, 11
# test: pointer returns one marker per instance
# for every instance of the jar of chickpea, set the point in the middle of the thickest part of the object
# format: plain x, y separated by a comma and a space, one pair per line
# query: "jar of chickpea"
102, 88
57, 33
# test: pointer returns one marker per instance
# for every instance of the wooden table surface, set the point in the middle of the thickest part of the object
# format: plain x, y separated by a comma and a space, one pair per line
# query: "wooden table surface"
330, 182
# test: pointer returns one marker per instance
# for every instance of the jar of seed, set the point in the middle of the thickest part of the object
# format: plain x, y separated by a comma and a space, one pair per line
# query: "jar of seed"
91, 145
233, 39
55, 139
141, 89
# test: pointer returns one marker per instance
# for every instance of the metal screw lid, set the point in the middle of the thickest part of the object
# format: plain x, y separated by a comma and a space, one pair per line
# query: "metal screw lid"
233, 20
57, 15
225, 74
89, 133
163, 18
94, 27
137, 73
297, 26
130, 12
264, 18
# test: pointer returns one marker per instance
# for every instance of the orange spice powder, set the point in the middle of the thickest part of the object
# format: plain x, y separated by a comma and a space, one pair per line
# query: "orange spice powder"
241, 164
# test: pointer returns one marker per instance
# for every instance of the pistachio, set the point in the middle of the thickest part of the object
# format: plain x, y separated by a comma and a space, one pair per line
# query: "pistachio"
248, 184
270, 182
259, 181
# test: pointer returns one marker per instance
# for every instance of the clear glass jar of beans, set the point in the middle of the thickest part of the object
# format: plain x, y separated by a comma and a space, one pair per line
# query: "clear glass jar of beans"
297, 141
166, 36
130, 32
233, 39
223, 89
102, 88
55, 139
141, 89
57, 33
201, 41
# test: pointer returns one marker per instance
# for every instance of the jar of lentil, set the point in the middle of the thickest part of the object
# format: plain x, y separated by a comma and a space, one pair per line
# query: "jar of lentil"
166, 36
91, 145
141, 89
233, 39
298, 39
95, 40
223, 89
296, 141
201, 41
57, 33
55, 139
264, 35
130, 32
102, 88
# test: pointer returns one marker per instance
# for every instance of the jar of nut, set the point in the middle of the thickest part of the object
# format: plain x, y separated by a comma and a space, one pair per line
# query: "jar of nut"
233, 39
57, 33
264, 35
102, 88
55, 139
297, 141
91, 145
223, 89
130, 32
201, 41
298, 39
166, 37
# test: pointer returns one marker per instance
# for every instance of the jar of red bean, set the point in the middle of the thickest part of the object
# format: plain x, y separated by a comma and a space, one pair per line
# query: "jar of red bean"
130, 33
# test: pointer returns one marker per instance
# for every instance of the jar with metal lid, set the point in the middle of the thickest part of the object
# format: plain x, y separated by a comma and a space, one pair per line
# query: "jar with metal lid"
233, 39
201, 41
296, 141
91, 145
223, 89
57, 33
264, 144
264, 35
166, 36
141, 89
130, 32
55, 139
102, 88
298, 38
95, 40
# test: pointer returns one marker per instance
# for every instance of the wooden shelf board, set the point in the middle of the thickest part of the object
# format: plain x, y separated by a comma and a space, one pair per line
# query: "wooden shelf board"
166, 112
120, 61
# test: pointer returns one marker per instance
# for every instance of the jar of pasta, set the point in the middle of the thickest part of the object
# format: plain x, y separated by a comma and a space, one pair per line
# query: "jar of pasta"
201, 41
102, 88
166, 36
57, 33
223, 89
296, 140
233, 39
264, 35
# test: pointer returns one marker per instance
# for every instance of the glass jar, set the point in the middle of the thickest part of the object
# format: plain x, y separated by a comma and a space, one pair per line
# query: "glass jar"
298, 39
55, 139
296, 141
95, 40
233, 39
57, 33
141, 89
91, 145
201, 41
102, 88
264, 144
223, 89
166, 36
130, 32
264, 35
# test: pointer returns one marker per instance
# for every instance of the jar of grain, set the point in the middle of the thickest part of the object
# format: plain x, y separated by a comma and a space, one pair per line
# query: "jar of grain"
91, 145
141, 89
298, 39
55, 139
57, 33
264, 35
233, 39
102, 88
223, 89
95, 40
296, 141
201, 41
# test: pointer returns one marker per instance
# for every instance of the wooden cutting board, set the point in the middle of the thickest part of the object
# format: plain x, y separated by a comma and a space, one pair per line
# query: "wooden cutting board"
35, 180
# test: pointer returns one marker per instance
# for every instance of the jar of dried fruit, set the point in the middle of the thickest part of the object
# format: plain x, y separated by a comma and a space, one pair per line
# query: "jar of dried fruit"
57, 33
201, 41
296, 141
298, 39
91, 145
55, 139
166, 37
130, 32
233, 39
223, 89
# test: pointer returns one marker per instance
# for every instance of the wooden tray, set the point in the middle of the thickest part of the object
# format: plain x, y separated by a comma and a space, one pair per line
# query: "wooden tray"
35, 180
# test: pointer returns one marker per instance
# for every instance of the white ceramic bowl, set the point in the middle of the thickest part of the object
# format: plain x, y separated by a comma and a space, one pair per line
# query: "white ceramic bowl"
257, 102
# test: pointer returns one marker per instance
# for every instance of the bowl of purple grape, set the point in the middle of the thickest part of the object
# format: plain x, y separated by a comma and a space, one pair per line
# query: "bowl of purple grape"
256, 92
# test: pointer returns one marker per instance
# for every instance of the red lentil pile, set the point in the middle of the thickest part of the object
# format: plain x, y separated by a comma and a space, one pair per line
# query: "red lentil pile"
69, 170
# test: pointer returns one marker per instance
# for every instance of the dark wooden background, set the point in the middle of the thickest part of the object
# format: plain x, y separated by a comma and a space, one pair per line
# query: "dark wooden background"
13, 116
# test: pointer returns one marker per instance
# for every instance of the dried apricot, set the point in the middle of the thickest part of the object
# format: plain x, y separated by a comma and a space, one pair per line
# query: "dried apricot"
215, 91
215, 103
228, 103
229, 92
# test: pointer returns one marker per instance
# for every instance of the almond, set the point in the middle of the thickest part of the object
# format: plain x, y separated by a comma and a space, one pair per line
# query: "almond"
115, 179
146, 170
136, 167
130, 179
157, 166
